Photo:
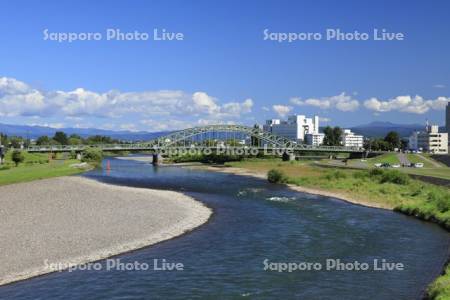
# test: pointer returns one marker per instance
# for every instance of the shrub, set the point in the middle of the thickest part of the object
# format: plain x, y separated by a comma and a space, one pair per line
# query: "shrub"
376, 172
440, 200
219, 158
73, 154
443, 204
17, 157
212, 158
394, 176
4, 167
92, 155
440, 288
285, 156
276, 176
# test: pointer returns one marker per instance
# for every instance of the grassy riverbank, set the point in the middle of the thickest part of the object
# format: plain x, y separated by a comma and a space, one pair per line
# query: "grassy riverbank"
35, 166
431, 167
382, 188
385, 188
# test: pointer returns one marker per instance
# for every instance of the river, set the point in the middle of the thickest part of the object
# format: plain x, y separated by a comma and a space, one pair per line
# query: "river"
253, 222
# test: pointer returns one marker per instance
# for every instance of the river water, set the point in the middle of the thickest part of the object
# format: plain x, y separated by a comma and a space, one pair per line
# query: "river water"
253, 222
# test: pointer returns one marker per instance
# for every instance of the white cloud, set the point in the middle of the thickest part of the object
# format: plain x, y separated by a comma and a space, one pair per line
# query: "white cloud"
203, 122
281, 110
19, 99
342, 102
236, 108
169, 125
204, 102
325, 120
439, 86
129, 127
52, 125
408, 104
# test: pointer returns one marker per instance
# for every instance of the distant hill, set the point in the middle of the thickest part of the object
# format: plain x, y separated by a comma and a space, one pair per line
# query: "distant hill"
34, 132
380, 129
374, 129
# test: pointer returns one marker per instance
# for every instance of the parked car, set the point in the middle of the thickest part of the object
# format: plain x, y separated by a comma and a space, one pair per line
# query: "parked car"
378, 165
396, 166
418, 165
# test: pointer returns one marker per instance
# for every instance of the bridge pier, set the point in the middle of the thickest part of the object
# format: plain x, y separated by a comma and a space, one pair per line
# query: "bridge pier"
157, 159
358, 155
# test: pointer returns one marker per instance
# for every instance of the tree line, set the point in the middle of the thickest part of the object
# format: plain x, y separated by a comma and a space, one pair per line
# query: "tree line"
59, 138
392, 140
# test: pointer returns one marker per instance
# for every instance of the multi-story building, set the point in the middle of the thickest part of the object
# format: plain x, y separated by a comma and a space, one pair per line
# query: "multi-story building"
314, 139
447, 118
430, 140
350, 139
294, 128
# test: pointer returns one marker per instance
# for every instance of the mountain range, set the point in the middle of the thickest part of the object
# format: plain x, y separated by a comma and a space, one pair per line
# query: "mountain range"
34, 132
380, 129
374, 129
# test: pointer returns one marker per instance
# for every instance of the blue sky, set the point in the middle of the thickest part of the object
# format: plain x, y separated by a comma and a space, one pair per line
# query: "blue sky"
223, 71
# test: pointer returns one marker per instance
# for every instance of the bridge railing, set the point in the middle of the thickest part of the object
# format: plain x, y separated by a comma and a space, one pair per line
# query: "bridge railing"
151, 146
55, 148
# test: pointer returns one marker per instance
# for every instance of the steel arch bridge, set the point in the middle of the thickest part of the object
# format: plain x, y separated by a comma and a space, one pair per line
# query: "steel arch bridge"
211, 137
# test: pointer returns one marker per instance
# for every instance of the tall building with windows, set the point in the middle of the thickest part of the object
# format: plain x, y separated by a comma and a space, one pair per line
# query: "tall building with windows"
350, 139
447, 118
430, 140
314, 139
295, 128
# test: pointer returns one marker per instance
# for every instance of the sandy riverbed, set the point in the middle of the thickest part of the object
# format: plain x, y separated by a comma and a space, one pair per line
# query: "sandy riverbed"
74, 220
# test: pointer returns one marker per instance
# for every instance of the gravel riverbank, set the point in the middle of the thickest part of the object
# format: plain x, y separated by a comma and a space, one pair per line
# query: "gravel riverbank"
74, 220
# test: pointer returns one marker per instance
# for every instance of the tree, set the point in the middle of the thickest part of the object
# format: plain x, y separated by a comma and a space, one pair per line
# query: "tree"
393, 140
17, 157
100, 139
337, 134
61, 138
43, 140
92, 155
75, 141
332, 136
3, 139
16, 142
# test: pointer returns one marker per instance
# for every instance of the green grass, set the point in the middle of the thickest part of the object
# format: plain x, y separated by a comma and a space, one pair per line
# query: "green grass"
440, 288
35, 166
414, 158
432, 172
30, 158
429, 169
390, 158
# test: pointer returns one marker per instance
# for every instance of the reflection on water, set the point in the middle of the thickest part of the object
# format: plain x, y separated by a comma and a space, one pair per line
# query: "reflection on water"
254, 221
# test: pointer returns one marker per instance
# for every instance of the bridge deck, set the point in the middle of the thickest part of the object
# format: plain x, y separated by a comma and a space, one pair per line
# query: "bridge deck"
151, 148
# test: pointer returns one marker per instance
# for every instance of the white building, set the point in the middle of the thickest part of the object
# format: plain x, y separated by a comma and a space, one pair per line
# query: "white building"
295, 128
447, 117
430, 140
314, 139
350, 139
